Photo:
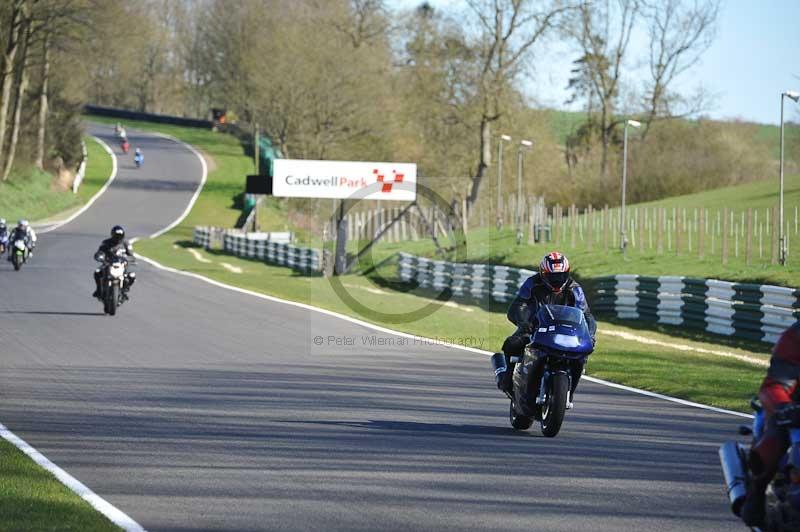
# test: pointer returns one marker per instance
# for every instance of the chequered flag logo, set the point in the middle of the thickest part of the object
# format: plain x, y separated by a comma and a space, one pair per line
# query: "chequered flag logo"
387, 185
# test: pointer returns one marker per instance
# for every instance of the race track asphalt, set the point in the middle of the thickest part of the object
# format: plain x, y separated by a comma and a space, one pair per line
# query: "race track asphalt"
199, 408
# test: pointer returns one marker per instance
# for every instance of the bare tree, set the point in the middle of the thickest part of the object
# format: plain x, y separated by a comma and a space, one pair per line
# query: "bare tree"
680, 32
366, 23
603, 31
19, 9
508, 31
22, 86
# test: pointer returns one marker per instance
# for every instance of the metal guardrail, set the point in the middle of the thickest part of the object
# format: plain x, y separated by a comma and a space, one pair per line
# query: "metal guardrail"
124, 114
76, 183
260, 246
755, 312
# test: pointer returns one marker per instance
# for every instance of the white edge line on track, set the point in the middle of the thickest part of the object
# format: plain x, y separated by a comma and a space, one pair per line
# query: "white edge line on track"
56, 225
114, 514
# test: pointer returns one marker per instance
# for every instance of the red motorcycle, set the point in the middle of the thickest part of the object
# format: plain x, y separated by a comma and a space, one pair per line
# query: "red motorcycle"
125, 145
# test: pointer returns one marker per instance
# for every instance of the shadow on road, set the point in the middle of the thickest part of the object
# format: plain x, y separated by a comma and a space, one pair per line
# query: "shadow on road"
51, 313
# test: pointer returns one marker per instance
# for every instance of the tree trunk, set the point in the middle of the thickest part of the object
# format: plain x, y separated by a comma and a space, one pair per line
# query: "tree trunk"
483, 162
40, 137
606, 140
22, 86
9, 55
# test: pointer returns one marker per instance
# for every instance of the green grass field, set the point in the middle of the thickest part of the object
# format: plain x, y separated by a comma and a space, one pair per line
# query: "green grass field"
32, 499
701, 377
29, 192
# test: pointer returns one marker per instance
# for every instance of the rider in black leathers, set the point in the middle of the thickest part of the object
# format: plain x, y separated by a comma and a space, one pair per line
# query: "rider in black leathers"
551, 286
109, 248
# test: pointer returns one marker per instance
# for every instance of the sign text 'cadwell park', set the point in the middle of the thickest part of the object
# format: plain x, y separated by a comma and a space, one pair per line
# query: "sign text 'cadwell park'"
344, 179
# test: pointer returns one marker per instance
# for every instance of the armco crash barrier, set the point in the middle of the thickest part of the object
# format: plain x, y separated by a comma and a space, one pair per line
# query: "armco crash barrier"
260, 246
756, 312
479, 281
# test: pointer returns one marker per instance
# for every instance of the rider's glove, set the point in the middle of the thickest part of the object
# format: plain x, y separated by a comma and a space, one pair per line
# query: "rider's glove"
788, 415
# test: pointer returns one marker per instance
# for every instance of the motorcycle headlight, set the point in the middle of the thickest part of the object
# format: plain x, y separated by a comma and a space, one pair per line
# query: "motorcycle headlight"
566, 340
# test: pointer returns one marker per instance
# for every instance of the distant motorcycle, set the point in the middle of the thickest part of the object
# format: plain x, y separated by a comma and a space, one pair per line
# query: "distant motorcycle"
114, 277
783, 495
544, 375
3, 243
125, 145
138, 160
19, 253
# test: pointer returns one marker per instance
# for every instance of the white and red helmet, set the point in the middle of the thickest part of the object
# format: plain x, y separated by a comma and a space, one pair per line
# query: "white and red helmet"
554, 271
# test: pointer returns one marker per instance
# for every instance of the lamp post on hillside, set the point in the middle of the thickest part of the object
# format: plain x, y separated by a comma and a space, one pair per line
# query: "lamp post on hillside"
500, 180
794, 95
523, 145
623, 241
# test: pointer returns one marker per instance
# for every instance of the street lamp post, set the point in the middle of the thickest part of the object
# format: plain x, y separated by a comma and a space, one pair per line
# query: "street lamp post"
794, 95
500, 179
623, 241
523, 144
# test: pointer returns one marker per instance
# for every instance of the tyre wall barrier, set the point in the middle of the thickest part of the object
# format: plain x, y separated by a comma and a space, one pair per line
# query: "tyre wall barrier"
259, 246
478, 281
754, 312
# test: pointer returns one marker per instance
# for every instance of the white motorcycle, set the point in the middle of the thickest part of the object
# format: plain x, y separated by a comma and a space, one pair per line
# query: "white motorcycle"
114, 280
19, 253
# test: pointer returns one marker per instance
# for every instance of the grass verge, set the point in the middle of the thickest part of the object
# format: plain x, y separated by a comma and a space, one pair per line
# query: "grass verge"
29, 192
33, 499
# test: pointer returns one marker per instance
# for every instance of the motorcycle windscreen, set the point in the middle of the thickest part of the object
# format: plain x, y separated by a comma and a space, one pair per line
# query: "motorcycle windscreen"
562, 328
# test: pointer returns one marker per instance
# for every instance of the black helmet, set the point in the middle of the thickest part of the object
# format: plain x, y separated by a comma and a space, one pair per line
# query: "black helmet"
117, 233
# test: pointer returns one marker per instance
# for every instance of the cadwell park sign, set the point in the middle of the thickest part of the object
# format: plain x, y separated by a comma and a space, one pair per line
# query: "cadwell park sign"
294, 178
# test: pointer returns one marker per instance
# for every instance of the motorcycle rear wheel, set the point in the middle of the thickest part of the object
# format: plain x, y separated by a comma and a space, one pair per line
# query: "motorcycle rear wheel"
555, 405
518, 422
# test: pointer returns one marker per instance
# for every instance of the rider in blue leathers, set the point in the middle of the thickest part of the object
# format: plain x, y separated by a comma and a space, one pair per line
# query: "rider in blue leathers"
551, 286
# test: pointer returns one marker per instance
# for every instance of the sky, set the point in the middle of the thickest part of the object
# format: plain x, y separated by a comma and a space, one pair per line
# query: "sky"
754, 57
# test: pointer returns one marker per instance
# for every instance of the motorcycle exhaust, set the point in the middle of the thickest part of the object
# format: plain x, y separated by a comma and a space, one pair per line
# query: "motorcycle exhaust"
735, 473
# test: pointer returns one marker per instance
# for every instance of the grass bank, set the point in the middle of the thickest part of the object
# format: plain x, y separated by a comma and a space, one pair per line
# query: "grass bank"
711, 379
29, 192
33, 499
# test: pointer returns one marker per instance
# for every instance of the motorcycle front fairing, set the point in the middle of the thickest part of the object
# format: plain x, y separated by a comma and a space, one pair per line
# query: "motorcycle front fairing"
563, 330
561, 340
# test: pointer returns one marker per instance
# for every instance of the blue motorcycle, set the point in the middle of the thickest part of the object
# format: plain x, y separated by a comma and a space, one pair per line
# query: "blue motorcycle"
546, 375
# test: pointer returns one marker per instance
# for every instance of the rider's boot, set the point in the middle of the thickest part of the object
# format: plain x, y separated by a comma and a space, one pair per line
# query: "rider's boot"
754, 509
96, 293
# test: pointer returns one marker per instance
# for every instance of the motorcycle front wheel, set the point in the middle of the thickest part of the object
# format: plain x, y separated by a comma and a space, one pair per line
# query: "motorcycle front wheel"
113, 300
555, 405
